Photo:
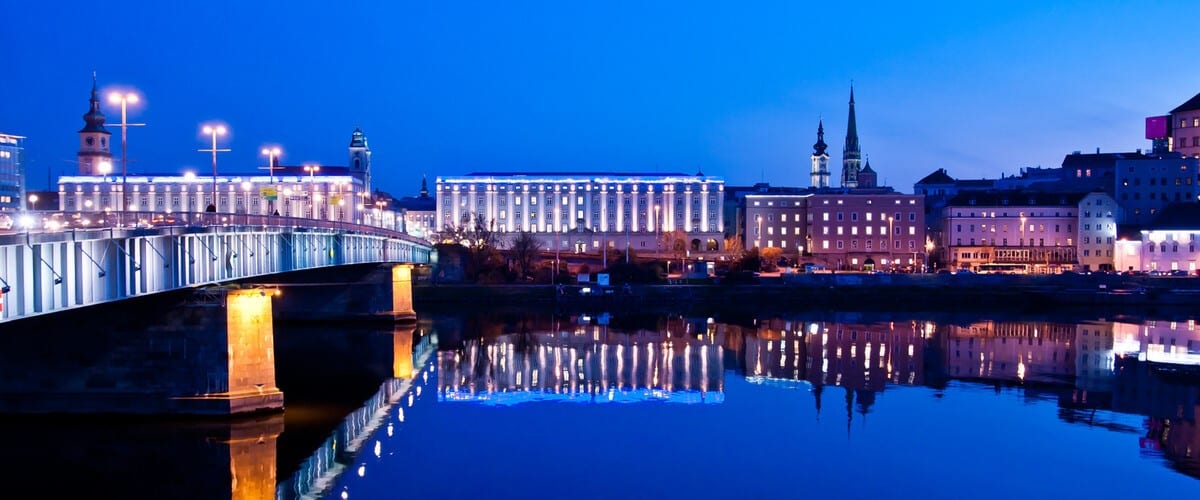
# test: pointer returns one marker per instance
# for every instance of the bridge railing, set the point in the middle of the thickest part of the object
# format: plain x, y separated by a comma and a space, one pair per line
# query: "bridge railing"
34, 222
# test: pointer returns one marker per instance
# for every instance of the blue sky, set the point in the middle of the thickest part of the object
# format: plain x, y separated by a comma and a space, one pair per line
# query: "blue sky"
447, 88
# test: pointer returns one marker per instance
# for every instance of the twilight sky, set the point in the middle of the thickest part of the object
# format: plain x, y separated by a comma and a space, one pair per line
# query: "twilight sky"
447, 88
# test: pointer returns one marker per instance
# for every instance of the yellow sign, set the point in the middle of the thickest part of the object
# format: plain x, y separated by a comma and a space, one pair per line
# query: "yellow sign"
335, 199
269, 193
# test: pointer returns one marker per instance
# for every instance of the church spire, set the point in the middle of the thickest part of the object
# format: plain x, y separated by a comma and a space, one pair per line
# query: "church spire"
820, 146
851, 157
424, 187
94, 119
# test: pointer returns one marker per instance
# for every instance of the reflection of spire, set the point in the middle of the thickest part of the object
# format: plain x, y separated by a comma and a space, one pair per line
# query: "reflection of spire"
849, 410
817, 391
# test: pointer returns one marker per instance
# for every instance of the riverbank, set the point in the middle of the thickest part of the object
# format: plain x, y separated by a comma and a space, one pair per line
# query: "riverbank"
860, 292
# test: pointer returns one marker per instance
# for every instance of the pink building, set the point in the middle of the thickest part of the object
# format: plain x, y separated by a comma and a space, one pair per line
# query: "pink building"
1185, 127
1030, 232
859, 229
1166, 244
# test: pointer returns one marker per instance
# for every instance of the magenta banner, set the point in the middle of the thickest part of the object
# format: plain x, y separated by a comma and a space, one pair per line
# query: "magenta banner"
1156, 127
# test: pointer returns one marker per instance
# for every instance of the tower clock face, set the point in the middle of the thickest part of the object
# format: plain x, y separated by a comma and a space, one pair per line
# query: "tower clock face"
90, 141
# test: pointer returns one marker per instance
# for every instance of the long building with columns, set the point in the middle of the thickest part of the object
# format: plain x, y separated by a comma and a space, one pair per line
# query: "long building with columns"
333, 193
590, 209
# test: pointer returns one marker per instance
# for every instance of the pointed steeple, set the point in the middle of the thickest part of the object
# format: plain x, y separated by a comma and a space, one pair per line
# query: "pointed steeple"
424, 187
851, 157
94, 119
820, 146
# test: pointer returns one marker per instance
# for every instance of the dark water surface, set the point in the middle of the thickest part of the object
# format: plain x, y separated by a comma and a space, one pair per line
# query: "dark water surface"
605, 406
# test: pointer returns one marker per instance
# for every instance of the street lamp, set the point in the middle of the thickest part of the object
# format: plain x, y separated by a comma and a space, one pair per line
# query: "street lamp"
271, 154
124, 99
33, 198
312, 187
1022, 249
928, 250
214, 131
657, 235
891, 261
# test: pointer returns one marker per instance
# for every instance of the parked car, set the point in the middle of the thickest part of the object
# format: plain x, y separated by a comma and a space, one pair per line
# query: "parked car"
1179, 272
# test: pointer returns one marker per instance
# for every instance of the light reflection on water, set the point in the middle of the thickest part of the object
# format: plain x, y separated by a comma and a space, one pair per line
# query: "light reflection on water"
939, 399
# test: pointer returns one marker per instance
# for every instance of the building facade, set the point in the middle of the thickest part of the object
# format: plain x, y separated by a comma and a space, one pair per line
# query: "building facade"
334, 193
1146, 185
1036, 231
845, 230
590, 211
1098, 215
1168, 243
1184, 128
12, 172
419, 212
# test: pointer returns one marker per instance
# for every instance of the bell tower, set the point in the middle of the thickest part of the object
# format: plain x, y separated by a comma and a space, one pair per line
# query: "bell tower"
94, 155
360, 158
820, 159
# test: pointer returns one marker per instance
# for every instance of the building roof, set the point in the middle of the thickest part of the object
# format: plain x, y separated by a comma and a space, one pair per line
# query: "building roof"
938, 176
1016, 199
1184, 216
576, 174
1077, 159
1191, 105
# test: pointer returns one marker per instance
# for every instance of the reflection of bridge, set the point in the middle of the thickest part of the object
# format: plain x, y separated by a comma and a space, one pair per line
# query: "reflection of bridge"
317, 474
49, 271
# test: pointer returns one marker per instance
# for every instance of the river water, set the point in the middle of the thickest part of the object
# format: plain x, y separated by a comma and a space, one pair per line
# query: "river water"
522, 405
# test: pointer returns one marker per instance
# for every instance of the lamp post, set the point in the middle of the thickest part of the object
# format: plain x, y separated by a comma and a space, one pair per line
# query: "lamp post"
657, 234
928, 250
1022, 249
124, 99
312, 187
891, 260
33, 199
214, 131
271, 154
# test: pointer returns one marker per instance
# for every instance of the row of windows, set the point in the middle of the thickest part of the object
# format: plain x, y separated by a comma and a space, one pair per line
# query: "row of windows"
1041, 242
1019, 214
1183, 122
1174, 247
912, 216
840, 244
1154, 196
1162, 181
1004, 228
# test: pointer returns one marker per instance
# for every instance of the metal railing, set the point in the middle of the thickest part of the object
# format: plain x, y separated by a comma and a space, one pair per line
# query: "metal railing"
33, 222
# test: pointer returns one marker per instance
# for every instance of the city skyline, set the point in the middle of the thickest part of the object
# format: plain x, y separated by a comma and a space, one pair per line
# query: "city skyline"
732, 93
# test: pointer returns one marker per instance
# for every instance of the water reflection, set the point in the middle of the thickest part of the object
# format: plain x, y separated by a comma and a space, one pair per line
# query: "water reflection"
1094, 370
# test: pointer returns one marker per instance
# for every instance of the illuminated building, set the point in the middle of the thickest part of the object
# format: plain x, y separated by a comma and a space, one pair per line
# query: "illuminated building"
1034, 232
1168, 243
336, 193
841, 229
12, 172
1011, 351
589, 209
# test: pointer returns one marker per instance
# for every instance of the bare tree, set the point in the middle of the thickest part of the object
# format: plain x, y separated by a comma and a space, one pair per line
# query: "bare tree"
525, 250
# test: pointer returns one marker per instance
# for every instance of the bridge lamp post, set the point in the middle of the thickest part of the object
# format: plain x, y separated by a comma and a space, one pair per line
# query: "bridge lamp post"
214, 131
891, 236
124, 99
272, 154
312, 186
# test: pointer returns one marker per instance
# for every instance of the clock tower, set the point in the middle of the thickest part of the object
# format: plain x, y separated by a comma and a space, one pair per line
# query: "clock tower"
94, 155
360, 158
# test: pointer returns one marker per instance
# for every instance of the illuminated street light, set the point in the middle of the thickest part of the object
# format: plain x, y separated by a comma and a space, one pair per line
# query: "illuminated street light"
124, 99
33, 199
312, 187
272, 153
214, 131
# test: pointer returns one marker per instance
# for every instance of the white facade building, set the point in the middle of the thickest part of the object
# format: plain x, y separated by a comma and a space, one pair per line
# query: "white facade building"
589, 209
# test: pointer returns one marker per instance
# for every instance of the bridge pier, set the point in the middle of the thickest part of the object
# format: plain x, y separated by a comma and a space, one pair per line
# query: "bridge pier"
402, 302
238, 359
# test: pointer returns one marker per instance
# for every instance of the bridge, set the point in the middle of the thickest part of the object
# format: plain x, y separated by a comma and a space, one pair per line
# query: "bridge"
92, 258
210, 351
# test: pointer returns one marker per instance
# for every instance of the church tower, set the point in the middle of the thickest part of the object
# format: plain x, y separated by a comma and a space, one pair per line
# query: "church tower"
360, 158
851, 156
93, 140
820, 159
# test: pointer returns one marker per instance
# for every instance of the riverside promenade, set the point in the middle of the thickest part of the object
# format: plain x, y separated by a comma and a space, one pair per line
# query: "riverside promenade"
850, 291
